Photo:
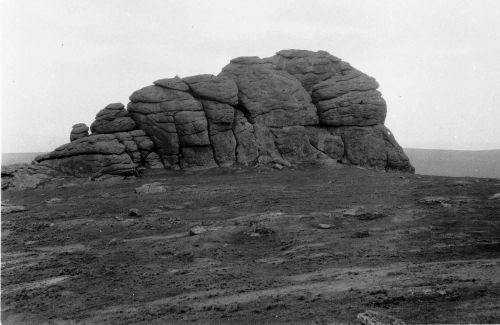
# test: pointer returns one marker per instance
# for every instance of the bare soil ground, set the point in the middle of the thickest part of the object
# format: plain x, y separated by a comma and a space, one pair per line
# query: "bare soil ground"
424, 249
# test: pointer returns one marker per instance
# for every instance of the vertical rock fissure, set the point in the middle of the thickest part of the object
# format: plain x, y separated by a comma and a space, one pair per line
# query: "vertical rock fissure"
237, 158
344, 156
241, 107
179, 153
210, 139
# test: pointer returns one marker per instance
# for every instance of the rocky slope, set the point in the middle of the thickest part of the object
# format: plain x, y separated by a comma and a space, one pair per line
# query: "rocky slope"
295, 106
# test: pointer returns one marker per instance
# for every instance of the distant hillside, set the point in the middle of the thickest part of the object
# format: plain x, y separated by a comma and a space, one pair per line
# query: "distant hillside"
18, 157
485, 163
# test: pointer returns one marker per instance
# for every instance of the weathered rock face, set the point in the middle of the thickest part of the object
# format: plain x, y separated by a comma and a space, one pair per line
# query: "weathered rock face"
372, 146
113, 118
99, 153
79, 130
295, 106
350, 99
271, 97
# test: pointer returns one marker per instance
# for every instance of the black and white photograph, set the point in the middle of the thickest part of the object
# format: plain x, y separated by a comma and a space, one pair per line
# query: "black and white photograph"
250, 162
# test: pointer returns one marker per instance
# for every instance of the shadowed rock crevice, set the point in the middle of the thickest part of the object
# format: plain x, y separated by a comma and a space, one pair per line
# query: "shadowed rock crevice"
295, 106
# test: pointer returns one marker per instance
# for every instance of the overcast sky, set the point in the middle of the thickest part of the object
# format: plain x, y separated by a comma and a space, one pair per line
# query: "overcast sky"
438, 62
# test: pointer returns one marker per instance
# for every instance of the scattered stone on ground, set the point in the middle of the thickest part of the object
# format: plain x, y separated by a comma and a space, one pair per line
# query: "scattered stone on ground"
53, 200
362, 214
278, 166
324, 226
197, 230
441, 200
114, 242
263, 250
172, 207
214, 209
11, 208
433, 199
495, 196
354, 211
361, 234
134, 212
151, 188
371, 317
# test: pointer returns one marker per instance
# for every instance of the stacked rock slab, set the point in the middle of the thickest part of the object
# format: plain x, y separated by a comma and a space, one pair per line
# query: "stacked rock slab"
295, 106
113, 118
98, 153
79, 130
114, 147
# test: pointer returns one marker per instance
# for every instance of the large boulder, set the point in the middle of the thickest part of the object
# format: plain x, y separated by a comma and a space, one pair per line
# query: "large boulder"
118, 153
153, 108
215, 88
350, 99
78, 131
106, 144
175, 83
113, 118
99, 153
342, 94
90, 164
272, 97
294, 106
327, 143
373, 146
309, 67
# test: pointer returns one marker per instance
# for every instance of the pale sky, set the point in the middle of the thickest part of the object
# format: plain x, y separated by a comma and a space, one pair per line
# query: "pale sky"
438, 62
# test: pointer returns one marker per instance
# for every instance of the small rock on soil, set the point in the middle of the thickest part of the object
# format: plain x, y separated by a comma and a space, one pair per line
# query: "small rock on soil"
361, 234
197, 230
134, 212
10, 208
151, 188
495, 196
371, 317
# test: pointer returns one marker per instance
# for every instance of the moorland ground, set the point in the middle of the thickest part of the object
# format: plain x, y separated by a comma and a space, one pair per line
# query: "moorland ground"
308, 244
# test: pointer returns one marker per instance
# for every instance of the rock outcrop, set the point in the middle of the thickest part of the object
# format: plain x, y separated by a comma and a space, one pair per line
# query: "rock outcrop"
79, 130
295, 106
